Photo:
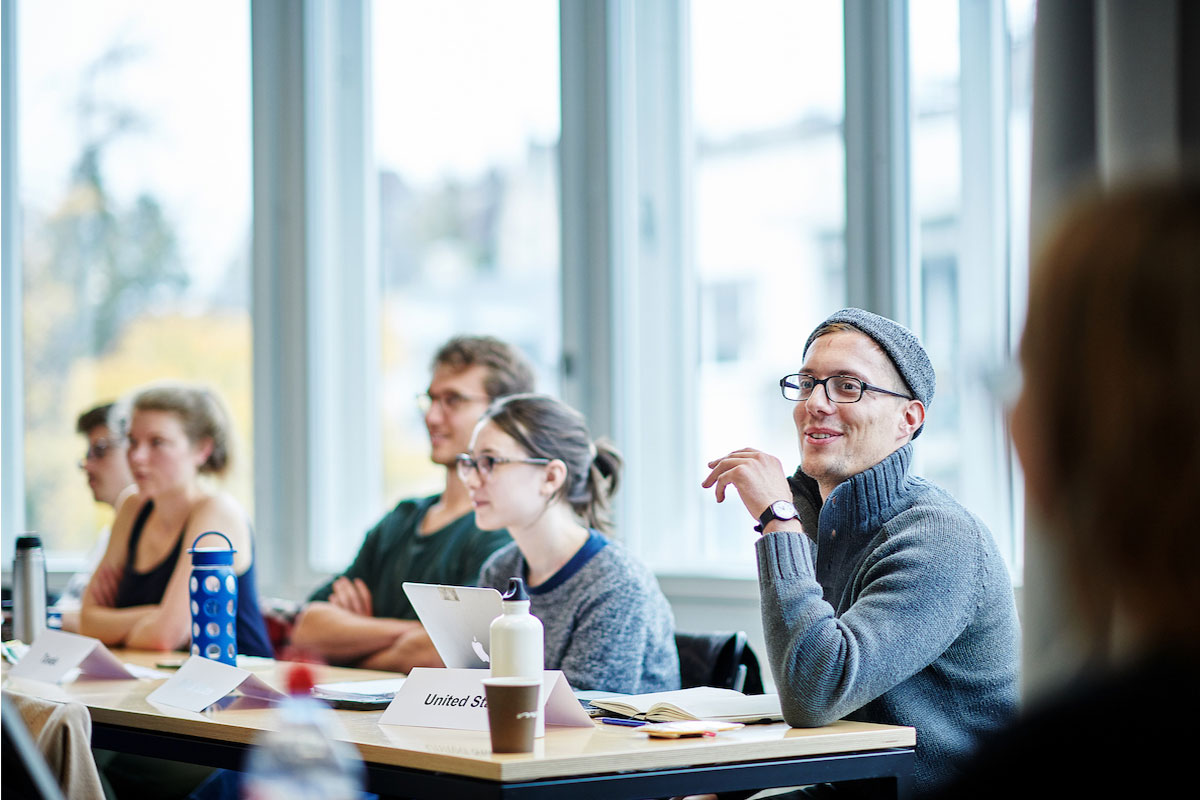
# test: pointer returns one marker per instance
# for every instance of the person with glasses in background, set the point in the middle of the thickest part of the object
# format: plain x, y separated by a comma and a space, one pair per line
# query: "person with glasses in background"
883, 599
534, 469
110, 482
363, 617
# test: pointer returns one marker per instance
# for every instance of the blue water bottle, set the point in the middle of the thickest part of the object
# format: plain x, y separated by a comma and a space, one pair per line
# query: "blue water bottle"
214, 601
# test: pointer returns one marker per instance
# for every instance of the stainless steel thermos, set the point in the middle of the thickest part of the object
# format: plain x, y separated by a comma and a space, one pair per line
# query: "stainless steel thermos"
29, 589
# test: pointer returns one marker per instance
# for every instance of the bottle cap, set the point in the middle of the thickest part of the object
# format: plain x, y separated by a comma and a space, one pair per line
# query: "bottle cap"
300, 679
212, 556
28, 542
516, 591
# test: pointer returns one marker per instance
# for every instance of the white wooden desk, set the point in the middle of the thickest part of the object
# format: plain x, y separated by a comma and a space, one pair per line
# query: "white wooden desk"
605, 761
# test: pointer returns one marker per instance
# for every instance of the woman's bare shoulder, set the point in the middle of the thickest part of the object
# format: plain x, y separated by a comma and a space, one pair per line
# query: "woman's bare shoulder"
220, 511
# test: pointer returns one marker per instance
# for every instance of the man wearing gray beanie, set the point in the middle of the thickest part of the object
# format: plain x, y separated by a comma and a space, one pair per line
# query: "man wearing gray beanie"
883, 599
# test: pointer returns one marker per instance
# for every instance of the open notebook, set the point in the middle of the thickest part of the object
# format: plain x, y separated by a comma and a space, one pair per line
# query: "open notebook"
702, 702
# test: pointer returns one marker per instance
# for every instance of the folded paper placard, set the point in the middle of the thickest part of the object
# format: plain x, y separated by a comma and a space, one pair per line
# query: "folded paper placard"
53, 654
454, 698
200, 682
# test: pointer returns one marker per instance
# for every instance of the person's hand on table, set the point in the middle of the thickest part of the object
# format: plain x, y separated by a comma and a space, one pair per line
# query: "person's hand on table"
352, 595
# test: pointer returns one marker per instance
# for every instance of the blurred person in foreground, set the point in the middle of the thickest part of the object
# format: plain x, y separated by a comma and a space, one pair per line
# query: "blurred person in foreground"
1108, 433
363, 617
178, 437
110, 482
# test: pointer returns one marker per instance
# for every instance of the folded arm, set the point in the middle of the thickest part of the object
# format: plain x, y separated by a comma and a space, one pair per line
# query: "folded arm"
98, 616
345, 636
165, 625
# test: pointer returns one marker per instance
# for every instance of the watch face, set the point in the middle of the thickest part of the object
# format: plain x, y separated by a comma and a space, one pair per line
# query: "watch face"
783, 509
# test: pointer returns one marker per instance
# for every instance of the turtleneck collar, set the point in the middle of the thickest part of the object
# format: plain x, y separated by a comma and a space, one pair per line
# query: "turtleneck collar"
860, 503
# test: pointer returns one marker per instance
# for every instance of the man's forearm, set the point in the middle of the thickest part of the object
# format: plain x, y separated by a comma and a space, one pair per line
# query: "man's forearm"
412, 648
343, 636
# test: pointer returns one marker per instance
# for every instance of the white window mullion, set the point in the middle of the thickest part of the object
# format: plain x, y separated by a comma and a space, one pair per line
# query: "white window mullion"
12, 385
587, 191
879, 239
345, 475
315, 345
983, 279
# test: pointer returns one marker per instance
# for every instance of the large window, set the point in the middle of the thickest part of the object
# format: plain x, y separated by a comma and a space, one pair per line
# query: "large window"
656, 201
135, 192
466, 112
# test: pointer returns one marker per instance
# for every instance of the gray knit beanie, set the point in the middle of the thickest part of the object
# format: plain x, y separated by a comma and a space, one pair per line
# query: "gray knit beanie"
901, 345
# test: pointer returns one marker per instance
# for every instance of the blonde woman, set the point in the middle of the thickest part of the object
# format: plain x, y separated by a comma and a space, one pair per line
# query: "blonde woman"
138, 595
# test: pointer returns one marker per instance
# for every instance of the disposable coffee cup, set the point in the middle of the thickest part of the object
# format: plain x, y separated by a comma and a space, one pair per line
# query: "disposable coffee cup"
512, 713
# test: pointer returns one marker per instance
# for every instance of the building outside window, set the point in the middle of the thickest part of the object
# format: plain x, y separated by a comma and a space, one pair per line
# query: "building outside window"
134, 181
135, 201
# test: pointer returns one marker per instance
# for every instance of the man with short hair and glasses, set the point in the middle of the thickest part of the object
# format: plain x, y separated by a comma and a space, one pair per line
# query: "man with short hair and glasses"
363, 617
110, 482
883, 599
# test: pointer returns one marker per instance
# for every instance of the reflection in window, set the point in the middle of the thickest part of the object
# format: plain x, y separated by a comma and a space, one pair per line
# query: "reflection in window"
466, 108
135, 195
769, 202
969, 302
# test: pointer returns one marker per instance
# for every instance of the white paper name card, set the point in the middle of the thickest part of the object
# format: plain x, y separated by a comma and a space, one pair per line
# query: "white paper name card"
201, 682
55, 653
454, 698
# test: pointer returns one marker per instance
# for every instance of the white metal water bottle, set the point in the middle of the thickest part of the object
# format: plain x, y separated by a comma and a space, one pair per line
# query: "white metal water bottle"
516, 637
29, 589
213, 589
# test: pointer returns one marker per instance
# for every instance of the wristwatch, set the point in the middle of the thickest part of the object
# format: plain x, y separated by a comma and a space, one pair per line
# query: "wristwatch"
780, 509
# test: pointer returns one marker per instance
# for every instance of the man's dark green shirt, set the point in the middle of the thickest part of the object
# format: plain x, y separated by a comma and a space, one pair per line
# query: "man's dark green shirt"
395, 552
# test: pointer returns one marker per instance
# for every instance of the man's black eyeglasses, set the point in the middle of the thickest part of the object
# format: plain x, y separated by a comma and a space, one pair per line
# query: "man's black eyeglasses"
98, 450
838, 388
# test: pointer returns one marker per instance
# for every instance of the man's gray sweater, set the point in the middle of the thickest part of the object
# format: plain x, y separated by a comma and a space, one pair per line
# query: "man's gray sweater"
895, 608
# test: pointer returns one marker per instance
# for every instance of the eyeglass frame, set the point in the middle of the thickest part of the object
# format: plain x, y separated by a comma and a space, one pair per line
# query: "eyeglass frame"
99, 450
450, 402
864, 387
463, 462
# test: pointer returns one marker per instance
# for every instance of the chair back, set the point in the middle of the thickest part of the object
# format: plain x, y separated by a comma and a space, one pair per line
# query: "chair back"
25, 771
724, 660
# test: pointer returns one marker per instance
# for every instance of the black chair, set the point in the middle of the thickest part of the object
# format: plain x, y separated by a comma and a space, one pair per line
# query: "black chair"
724, 660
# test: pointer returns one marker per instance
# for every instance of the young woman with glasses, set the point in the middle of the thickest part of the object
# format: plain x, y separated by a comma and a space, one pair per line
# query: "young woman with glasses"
534, 469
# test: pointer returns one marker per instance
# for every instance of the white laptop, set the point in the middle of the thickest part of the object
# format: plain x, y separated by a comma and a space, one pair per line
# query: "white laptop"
458, 620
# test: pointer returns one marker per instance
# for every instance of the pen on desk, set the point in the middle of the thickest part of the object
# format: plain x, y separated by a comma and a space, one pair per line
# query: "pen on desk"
631, 723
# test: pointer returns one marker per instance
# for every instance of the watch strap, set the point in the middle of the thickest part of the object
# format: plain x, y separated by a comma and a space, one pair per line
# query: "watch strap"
769, 515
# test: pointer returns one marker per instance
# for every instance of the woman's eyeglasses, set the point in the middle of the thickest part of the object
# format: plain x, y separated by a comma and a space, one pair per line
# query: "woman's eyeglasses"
484, 465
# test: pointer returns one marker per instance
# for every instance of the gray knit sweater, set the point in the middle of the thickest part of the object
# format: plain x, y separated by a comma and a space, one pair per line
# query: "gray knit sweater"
607, 624
900, 612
